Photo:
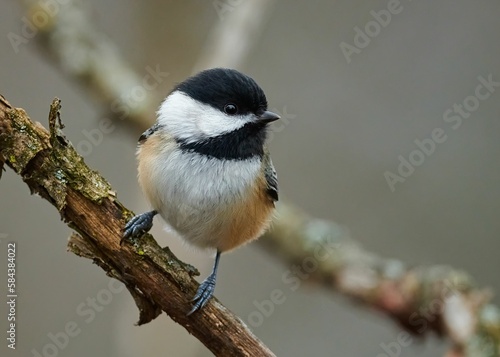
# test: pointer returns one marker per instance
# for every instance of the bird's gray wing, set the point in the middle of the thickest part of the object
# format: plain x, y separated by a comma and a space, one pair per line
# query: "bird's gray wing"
149, 132
271, 177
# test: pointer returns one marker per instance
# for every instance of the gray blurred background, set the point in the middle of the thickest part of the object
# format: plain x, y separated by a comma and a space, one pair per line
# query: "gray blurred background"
352, 121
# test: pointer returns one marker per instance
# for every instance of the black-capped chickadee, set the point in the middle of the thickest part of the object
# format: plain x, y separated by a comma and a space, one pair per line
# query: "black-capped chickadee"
204, 167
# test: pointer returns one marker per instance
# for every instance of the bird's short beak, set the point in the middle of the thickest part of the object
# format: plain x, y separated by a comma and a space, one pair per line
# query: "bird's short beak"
268, 117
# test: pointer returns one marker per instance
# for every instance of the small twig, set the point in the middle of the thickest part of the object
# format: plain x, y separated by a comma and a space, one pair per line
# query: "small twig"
50, 166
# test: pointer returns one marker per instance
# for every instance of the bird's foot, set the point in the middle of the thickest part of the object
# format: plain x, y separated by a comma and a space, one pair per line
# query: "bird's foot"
138, 225
204, 293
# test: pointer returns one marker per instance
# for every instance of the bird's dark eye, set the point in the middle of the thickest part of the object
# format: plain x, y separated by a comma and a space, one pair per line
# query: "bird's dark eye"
230, 109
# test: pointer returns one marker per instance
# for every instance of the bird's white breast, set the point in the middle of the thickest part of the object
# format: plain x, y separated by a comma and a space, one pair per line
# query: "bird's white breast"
194, 193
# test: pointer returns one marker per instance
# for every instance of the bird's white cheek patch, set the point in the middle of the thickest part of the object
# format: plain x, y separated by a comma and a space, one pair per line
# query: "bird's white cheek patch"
213, 122
188, 119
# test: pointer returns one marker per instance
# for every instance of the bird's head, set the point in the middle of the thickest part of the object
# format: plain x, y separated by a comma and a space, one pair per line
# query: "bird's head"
218, 112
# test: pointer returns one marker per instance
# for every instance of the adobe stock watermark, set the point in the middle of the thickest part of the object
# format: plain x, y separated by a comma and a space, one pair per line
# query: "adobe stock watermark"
292, 279
454, 117
121, 107
86, 311
420, 321
364, 35
42, 15
223, 7
12, 294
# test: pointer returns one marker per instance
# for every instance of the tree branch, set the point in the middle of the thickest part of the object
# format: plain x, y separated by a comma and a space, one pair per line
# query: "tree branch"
157, 280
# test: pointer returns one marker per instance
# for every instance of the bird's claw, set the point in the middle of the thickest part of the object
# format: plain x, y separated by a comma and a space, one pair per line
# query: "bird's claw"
138, 225
203, 294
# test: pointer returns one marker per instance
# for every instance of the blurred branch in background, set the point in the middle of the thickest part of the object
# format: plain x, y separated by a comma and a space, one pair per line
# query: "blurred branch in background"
421, 299
233, 37
156, 279
65, 33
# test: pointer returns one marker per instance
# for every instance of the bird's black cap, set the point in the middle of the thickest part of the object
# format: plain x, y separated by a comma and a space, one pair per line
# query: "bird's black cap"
220, 86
